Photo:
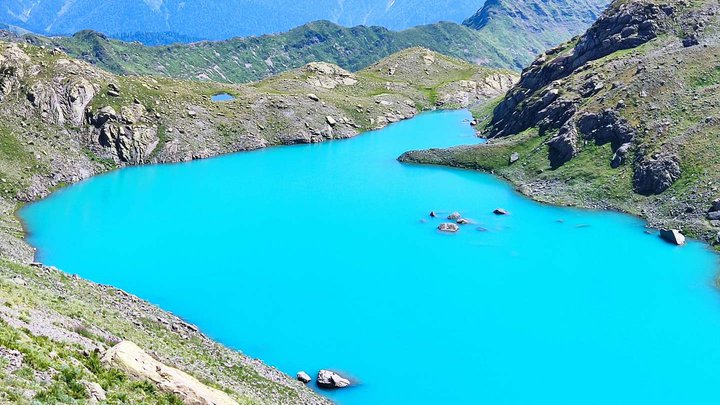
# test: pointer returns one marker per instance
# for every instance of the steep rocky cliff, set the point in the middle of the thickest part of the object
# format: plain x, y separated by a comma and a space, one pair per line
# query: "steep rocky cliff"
624, 117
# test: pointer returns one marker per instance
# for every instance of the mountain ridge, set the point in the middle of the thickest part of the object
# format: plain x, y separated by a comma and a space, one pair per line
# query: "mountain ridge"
494, 44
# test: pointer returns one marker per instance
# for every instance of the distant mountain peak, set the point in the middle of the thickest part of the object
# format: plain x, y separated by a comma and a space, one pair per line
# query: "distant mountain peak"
531, 26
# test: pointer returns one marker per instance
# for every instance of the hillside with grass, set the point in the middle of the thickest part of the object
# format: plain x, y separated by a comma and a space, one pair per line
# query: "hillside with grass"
625, 117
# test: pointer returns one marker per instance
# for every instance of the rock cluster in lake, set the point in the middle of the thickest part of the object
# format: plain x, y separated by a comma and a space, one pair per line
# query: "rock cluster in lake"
331, 379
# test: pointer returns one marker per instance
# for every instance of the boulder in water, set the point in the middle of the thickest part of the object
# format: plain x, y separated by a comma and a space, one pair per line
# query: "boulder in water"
463, 221
454, 216
330, 379
500, 211
673, 236
448, 227
303, 377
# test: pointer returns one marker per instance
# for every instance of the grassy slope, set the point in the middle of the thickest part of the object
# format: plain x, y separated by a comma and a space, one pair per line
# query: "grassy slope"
670, 94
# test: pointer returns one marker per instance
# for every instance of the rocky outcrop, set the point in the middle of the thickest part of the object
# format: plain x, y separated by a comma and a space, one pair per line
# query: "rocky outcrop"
656, 173
13, 63
606, 127
328, 76
601, 128
128, 357
563, 146
330, 379
624, 26
469, 92
60, 100
127, 136
63, 100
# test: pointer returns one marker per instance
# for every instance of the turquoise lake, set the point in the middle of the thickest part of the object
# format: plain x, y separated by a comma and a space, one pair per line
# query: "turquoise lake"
222, 97
323, 256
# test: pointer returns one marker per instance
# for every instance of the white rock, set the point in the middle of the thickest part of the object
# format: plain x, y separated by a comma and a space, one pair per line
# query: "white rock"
673, 236
329, 379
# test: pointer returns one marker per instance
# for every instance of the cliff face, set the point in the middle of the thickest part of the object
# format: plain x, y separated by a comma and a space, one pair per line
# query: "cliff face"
623, 117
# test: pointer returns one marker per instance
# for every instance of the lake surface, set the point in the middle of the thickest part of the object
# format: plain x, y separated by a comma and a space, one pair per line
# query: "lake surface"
317, 256
222, 97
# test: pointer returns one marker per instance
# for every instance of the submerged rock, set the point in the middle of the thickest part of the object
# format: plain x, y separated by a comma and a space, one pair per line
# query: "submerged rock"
673, 236
303, 377
449, 227
329, 379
